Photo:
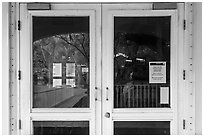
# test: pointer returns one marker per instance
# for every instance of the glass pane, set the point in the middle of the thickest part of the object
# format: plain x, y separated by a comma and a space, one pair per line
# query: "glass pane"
141, 128
61, 62
61, 127
141, 62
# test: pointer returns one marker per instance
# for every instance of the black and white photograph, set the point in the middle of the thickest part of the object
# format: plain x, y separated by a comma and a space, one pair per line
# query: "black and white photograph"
101, 68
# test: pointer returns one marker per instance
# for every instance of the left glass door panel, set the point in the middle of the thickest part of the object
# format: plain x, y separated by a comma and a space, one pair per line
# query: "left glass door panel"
60, 63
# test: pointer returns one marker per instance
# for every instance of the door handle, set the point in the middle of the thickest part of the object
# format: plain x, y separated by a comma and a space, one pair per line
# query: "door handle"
107, 97
96, 93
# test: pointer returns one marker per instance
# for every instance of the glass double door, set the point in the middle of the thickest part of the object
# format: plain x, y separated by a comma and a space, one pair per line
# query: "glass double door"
97, 69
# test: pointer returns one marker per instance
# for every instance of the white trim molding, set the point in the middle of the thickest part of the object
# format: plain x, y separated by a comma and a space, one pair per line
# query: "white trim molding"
5, 70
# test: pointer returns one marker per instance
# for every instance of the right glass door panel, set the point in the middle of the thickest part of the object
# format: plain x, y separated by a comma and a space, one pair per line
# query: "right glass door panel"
142, 62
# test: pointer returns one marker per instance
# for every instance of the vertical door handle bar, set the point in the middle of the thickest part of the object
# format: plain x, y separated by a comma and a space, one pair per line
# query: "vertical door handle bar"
96, 93
107, 97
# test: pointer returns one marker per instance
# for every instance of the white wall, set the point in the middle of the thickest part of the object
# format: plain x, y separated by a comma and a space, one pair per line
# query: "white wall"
5, 68
197, 56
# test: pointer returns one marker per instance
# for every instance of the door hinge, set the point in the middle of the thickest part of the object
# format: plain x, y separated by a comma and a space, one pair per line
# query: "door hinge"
19, 124
184, 124
184, 75
184, 24
19, 25
19, 75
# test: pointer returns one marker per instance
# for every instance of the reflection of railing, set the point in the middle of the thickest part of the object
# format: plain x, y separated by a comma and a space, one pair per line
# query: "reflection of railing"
138, 96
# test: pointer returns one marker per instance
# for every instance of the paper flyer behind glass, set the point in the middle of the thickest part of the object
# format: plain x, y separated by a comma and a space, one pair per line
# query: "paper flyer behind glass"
70, 82
157, 72
164, 95
57, 82
85, 70
70, 69
57, 70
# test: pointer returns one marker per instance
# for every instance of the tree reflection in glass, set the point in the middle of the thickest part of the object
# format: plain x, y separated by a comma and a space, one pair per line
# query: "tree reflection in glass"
70, 52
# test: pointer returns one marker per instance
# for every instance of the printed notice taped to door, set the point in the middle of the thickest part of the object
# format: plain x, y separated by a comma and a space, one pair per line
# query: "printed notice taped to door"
57, 83
70, 69
157, 72
85, 70
57, 69
70, 82
164, 95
